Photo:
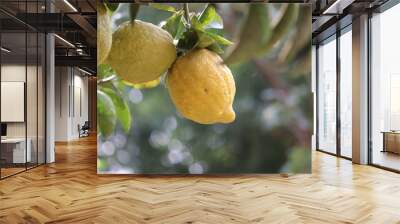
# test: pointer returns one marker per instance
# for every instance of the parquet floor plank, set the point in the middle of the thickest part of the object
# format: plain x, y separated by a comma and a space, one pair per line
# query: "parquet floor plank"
70, 191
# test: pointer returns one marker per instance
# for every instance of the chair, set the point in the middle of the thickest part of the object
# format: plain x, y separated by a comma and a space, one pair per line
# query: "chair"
84, 130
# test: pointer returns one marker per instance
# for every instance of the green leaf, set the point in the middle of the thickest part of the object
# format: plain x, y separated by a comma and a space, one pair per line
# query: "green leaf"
203, 32
204, 40
219, 39
215, 31
174, 25
195, 22
106, 114
112, 7
188, 41
209, 18
255, 32
163, 7
121, 107
104, 71
216, 48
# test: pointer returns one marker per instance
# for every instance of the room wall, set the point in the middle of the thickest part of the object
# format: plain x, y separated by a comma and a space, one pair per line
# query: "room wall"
14, 73
71, 102
80, 117
33, 127
17, 73
61, 103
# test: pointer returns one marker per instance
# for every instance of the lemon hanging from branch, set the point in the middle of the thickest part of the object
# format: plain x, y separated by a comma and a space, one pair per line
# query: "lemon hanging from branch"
141, 52
200, 85
104, 34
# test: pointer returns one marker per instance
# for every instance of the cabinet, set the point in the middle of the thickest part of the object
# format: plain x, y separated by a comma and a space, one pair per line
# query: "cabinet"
391, 142
13, 150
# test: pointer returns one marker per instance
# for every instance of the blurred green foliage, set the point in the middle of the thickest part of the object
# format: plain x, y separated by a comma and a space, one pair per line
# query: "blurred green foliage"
106, 113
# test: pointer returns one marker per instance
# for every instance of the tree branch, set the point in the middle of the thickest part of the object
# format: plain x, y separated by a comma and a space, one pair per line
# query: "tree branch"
187, 12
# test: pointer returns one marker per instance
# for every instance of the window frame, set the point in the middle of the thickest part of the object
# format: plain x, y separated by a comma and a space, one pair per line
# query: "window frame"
333, 37
378, 10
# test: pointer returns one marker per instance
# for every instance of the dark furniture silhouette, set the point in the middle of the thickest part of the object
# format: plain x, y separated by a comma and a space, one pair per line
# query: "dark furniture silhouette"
84, 129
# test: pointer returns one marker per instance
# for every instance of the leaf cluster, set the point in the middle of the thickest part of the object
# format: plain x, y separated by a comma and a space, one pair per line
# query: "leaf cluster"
195, 30
112, 106
111, 7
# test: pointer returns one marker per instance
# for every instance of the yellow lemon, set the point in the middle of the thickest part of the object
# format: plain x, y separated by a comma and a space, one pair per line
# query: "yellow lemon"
141, 52
104, 33
202, 87
145, 85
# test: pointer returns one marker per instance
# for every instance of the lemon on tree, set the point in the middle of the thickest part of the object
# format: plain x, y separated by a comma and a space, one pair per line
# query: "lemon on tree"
104, 33
141, 52
145, 85
202, 87
199, 83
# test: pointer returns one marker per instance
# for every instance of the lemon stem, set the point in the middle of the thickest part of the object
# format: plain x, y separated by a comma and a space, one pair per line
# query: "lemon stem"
133, 10
187, 13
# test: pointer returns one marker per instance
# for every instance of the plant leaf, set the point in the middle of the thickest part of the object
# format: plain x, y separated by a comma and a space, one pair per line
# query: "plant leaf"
163, 7
174, 25
104, 71
255, 32
216, 48
195, 22
203, 32
121, 108
215, 31
112, 7
209, 18
106, 114
207, 38
188, 41
204, 39
219, 39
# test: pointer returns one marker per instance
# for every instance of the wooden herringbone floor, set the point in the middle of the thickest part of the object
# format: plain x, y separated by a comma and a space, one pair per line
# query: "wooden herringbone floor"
69, 191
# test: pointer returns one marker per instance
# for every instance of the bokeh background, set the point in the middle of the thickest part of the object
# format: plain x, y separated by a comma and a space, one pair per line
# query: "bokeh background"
273, 105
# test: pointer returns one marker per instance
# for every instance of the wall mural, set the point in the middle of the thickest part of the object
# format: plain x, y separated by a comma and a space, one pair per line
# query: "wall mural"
196, 88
